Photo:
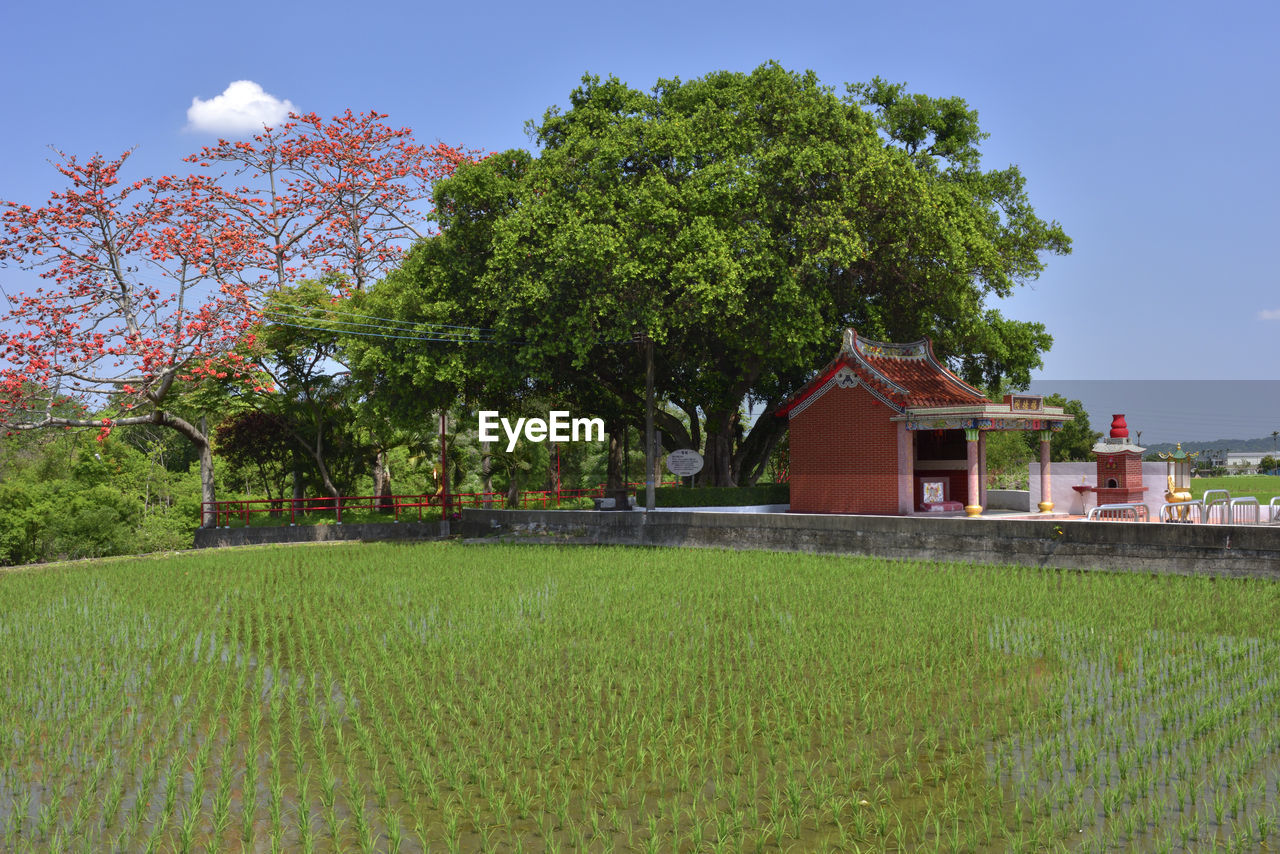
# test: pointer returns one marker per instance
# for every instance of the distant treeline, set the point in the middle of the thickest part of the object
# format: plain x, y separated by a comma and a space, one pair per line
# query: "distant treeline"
1265, 444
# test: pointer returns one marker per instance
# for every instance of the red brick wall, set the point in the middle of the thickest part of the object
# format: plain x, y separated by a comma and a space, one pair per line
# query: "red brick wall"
1110, 467
844, 455
1125, 467
1133, 470
1128, 474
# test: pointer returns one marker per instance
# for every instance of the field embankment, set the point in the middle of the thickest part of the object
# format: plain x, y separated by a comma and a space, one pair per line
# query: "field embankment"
1222, 550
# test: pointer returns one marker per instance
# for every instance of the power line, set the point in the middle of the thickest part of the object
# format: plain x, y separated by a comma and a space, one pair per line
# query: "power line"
404, 323
440, 329
458, 339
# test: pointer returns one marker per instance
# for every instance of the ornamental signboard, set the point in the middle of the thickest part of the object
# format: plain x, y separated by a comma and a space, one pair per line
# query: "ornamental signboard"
685, 462
1026, 402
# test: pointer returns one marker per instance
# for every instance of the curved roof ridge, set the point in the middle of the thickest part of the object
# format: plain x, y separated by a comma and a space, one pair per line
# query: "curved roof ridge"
857, 354
949, 374
902, 376
888, 349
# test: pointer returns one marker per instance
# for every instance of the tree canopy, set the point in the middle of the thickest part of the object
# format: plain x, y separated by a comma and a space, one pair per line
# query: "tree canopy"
154, 285
740, 221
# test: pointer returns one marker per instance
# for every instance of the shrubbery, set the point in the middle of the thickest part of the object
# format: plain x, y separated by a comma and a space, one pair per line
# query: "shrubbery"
69, 496
719, 496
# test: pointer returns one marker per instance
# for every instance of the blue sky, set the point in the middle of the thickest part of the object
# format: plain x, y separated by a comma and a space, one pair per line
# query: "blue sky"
1145, 129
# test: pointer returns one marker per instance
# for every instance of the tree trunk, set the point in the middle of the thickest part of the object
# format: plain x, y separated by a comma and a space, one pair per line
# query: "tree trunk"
752, 458
199, 438
316, 453
486, 471
553, 470
266, 486
717, 467
208, 515
382, 480
617, 436
330, 489
695, 429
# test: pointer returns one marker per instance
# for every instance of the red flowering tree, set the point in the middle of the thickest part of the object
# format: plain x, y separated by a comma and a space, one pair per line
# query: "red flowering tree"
152, 285
346, 194
342, 196
142, 294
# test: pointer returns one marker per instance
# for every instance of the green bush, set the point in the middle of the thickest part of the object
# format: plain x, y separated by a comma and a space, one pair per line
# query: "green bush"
92, 522
69, 496
719, 496
24, 512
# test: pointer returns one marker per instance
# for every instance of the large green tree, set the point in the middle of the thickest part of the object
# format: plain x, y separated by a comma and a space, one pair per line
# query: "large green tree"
305, 388
740, 221
1074, 443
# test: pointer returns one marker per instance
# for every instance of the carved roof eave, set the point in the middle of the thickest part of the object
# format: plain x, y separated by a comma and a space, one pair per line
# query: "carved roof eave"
852, 353
1105, 447
854, 358
845, 372
850, 357
853, 345
994, 411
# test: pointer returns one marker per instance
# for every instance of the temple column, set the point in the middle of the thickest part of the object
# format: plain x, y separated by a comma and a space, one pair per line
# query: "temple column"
1046, 485
982, 468
906, 470
973, 508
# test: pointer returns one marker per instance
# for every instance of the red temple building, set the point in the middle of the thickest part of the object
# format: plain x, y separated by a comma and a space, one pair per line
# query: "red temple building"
887, 428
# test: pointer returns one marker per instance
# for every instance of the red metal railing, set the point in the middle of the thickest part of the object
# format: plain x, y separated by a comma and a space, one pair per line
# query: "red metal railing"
223, 513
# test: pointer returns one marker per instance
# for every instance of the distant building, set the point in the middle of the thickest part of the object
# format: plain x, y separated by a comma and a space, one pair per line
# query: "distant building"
1245, 460
1209, 460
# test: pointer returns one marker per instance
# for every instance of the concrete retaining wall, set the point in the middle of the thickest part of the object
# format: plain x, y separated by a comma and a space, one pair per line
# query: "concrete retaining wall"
1225, 550
1009, 499
216, 537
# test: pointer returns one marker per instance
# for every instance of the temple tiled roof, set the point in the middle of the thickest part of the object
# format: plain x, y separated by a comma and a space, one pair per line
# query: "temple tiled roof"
904, 376
914, 367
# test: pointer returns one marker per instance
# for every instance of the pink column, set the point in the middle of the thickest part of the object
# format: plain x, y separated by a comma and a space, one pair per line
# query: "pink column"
982, 468
906, 473
1046, 485
973, 508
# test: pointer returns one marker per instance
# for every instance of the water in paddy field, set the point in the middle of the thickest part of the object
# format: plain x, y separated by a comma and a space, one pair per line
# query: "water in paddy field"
1169, 744
1132, 740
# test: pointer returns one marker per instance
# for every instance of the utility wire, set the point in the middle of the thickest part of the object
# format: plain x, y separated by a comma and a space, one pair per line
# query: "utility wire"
311, 310
458, 339
337, 325
208, 289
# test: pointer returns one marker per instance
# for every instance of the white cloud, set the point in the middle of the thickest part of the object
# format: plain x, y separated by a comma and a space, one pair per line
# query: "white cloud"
1269, 314
242, 109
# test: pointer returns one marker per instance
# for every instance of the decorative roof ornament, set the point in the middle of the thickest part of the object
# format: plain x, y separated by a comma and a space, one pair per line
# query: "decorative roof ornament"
1178, 454
1118, 442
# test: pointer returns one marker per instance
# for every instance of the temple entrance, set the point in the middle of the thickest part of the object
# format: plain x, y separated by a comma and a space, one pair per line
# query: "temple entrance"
941, 471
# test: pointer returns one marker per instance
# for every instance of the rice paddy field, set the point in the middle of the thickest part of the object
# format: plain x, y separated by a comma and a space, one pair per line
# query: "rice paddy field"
441, 697
1261, 486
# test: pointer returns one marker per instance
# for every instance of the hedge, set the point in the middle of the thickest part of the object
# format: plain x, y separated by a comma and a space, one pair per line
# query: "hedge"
719, 496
